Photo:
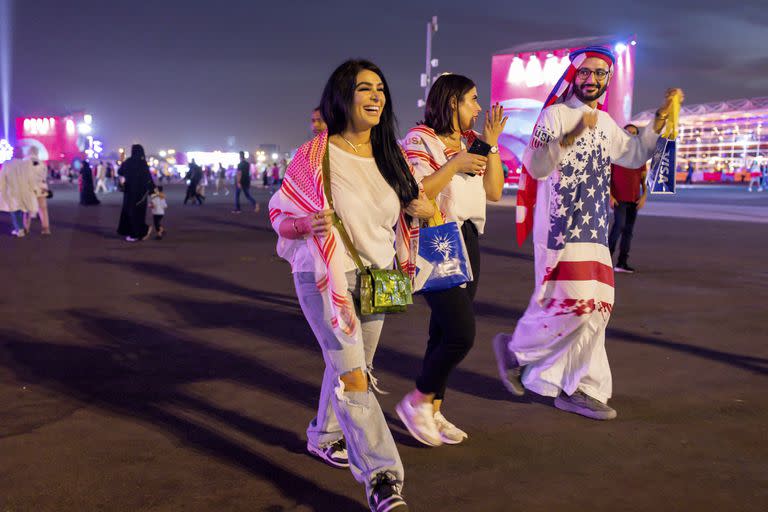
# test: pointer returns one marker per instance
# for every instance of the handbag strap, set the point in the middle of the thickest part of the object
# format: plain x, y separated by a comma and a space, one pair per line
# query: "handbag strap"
336, 219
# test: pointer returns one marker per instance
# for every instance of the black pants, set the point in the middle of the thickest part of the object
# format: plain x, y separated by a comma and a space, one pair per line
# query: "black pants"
451, 324
158, 219
624, 216
247, 193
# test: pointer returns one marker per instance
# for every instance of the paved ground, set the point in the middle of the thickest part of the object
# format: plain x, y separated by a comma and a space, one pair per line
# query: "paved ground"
178, 375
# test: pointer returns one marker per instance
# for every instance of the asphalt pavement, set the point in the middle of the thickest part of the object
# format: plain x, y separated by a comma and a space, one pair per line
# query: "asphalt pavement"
179, 374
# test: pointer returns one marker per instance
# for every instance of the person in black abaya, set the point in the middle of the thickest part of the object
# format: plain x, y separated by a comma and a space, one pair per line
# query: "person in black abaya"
87, 195
194, 177
138, 186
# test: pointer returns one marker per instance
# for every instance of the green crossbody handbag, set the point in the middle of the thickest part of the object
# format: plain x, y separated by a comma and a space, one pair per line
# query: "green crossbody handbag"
381, 290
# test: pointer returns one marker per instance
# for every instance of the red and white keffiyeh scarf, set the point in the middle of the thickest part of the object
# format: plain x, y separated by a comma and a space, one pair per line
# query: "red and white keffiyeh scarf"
526, 193
421, 146
302, 194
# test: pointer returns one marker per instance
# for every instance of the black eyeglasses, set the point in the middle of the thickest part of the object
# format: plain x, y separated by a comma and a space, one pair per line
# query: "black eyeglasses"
585, 73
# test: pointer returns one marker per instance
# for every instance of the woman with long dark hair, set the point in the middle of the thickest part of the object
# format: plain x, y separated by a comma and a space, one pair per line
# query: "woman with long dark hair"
461, 183
137, 187
371, 189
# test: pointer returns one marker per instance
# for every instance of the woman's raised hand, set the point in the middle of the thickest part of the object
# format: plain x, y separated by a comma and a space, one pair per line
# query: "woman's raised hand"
494, 124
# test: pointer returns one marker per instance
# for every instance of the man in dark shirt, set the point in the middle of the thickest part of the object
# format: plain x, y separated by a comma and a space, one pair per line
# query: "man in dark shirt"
626, 200
243, 184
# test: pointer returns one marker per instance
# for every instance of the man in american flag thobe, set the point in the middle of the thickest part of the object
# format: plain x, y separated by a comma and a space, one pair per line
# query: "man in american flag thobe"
558, 347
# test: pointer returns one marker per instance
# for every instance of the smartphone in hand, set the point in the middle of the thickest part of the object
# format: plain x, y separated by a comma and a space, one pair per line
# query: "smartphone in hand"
478, 147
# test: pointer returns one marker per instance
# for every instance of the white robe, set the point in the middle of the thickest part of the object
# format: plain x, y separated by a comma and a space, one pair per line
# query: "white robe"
561, 337
19, 186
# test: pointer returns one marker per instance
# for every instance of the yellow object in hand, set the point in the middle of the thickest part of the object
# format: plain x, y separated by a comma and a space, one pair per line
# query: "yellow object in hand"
674, 100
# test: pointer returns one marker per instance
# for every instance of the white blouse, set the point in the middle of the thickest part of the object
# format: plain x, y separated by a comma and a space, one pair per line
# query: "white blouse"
367, 205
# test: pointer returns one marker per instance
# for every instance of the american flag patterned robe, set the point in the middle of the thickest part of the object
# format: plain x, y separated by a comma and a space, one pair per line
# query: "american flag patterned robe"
561, 337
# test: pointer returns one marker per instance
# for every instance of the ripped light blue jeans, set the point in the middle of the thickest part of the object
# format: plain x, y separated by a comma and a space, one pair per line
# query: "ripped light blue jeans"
355, 416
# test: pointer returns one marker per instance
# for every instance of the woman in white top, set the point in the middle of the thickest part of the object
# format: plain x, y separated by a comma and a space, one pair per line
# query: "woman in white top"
372, 189
461, 183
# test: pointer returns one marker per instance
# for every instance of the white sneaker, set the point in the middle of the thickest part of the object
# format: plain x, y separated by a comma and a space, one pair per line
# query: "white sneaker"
449, 433
131, 239
420, 421
21, 233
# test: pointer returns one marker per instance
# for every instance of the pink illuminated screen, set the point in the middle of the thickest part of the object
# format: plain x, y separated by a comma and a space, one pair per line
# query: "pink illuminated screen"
59, 138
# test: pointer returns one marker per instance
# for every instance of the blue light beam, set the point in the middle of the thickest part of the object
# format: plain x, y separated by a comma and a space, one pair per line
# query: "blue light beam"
6, 11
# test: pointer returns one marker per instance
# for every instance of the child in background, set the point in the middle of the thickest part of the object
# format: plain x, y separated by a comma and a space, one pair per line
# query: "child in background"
158, 204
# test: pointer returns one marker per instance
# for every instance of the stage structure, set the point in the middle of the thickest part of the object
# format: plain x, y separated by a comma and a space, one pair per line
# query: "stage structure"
59, 138
523, 76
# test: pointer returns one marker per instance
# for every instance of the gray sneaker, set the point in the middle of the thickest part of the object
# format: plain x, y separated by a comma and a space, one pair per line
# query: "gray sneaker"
583, 404
510, 370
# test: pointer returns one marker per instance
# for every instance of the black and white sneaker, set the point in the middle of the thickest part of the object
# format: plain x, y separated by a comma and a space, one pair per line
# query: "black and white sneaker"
624, 269
334, 454
385, 495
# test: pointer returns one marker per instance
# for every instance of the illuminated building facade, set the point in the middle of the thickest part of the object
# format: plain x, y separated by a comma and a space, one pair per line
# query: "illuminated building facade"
724, 141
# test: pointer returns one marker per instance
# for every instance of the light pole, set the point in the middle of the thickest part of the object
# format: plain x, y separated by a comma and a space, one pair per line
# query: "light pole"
426, 77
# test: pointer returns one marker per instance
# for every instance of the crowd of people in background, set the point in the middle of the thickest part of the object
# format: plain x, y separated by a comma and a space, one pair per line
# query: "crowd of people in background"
26, 184
106, 180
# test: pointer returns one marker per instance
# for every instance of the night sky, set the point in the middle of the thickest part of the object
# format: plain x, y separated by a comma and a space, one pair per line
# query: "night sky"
188, 74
